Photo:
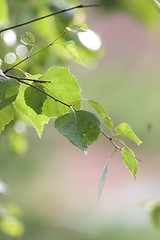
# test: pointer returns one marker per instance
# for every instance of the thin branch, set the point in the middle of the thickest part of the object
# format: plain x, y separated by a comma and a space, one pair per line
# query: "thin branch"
28, 79
35, 53
40, 90
116, 146
49, 15
111, 140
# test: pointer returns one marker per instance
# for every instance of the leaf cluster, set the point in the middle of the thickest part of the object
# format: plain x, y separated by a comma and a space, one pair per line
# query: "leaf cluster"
56, 94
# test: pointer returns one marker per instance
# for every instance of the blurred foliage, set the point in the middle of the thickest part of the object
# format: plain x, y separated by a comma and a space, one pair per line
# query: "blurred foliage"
10, 214
145, 11
155, 214
153, 207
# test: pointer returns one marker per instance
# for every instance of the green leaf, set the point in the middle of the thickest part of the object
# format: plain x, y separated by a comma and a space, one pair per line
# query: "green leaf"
34, 98
64, 87
6, 116
102, 180
155, 215
102, 113
125, 130
38, 121
29, 40
8, 92
11, 226
81, 128
129, 160
70, 46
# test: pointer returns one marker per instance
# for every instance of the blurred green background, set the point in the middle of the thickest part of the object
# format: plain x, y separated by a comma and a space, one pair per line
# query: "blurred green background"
54, 184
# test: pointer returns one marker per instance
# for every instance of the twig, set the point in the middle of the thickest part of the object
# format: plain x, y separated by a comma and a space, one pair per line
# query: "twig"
21, 80
28, 79
116, 146
49, 15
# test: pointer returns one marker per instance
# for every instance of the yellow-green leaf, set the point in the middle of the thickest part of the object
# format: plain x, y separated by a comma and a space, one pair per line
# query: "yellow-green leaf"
70, 46
102, 113
125, 130
129, 160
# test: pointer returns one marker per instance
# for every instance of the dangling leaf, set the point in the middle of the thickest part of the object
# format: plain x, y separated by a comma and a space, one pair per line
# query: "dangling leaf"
70, 46
102, 180
81, 128
125, 130
129, 160
102, 113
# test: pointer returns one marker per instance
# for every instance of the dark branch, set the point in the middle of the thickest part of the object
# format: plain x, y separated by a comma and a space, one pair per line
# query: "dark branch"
49, 15
28, 79
116, 146
21, 80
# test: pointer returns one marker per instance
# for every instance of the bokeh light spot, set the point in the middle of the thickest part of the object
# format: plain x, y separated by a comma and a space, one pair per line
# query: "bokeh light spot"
10, 58
90, 40
21, 51
9, 38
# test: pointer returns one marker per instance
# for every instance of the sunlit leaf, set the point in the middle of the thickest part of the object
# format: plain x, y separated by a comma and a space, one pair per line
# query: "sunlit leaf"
125, 130
8, 92
129, 160
38, 121
73, 51
6, 116
102, 180
64, 87
102, 113
35, 98
81, 128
